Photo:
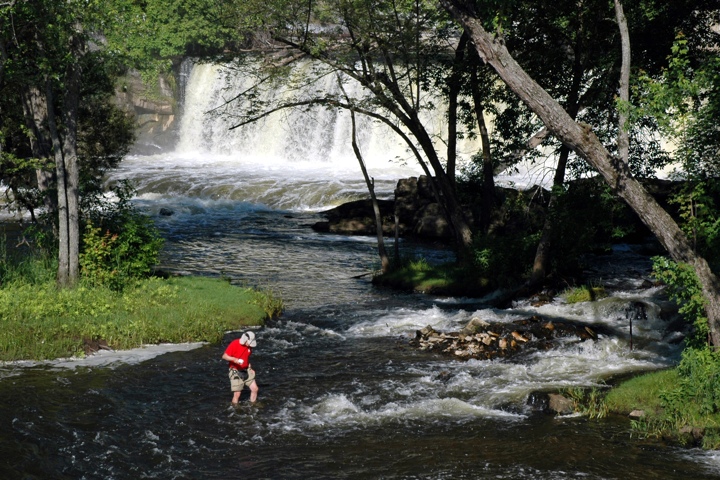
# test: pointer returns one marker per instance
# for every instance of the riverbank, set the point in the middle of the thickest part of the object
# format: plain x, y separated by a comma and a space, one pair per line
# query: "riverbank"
672, 404
41, 322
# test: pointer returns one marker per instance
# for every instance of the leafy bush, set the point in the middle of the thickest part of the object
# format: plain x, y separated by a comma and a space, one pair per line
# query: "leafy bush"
698, 389
588, 216
684, 289
119, 244
700, 217
695, 399
115, 259
504, 260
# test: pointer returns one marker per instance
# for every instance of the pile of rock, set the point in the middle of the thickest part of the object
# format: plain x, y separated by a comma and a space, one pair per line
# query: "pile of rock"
484, 340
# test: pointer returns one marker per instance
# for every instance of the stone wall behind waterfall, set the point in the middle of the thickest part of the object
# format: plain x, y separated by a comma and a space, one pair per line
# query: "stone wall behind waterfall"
155, 108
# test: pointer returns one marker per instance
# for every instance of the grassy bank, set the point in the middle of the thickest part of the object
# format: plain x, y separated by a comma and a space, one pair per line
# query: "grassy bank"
641, 393
446, 279
666, 404
41, 322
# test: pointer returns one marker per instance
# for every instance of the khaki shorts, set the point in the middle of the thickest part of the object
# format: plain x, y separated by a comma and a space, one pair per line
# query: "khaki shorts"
240, 378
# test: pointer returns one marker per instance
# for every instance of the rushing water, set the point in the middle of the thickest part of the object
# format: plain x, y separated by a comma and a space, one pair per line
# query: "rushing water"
341, 393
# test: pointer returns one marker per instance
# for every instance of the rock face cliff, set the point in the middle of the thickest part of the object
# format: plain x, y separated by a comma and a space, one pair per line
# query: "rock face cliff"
155, 109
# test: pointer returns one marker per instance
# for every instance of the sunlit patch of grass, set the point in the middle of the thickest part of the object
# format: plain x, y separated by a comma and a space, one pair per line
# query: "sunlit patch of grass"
584, 293
41, 322
641, 392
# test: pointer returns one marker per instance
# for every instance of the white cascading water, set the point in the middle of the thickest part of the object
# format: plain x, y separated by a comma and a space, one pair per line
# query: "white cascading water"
291, 136
286, 156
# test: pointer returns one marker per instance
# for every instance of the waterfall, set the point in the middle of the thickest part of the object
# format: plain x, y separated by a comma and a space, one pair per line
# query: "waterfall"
296, 159
292, 136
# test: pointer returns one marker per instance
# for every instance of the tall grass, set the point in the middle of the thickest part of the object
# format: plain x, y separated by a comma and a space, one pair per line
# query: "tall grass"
39, 321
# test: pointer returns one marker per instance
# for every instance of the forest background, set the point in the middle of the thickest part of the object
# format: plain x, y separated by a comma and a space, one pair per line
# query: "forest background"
610, 91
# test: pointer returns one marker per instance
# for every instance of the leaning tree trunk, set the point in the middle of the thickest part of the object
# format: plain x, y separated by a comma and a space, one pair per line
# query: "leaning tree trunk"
384, 259
585, 143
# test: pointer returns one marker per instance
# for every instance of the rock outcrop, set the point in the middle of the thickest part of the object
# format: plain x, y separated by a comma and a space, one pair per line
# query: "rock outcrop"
418, 214
357, 218
154, 110
417, 210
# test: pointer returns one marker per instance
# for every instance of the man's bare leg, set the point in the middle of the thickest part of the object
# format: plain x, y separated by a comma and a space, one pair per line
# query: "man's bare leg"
253, 392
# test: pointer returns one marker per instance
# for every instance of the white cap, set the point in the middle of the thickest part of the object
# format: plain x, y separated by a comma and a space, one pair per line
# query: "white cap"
248, 338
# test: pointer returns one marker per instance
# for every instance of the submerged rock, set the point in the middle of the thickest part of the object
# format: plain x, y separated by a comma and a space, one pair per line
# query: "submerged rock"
560, 404
487, 340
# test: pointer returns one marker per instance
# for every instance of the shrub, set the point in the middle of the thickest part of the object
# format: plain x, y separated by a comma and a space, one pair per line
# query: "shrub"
684, 289
120, 244
504, 260
700, 217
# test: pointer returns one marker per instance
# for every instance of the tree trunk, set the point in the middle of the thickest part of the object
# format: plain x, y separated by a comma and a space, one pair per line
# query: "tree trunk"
63, 275
454, 87
384, 260
580, 138
455, 215
408, 116
623, 141
65, 154
488, 174
35, 110
70, 116
543, 254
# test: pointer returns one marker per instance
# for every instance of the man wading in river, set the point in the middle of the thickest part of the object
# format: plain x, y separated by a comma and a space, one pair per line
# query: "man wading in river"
240, 372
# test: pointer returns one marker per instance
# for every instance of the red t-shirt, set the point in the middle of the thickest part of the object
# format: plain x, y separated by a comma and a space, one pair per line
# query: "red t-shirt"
235, 349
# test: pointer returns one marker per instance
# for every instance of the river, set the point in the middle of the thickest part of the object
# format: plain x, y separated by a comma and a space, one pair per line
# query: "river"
341, 393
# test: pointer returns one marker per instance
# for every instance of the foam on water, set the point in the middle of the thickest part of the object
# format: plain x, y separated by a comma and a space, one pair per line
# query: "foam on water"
105, 358
287, 186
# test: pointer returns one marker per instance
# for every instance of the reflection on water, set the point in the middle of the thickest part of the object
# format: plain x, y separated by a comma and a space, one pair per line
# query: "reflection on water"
342, 395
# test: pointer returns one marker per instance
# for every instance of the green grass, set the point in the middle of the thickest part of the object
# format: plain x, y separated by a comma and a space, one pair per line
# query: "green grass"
445, 279
40, 322
641, 392
674, 421
583, 293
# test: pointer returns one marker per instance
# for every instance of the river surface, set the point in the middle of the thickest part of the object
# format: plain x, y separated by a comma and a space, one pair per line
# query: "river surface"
342, 396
